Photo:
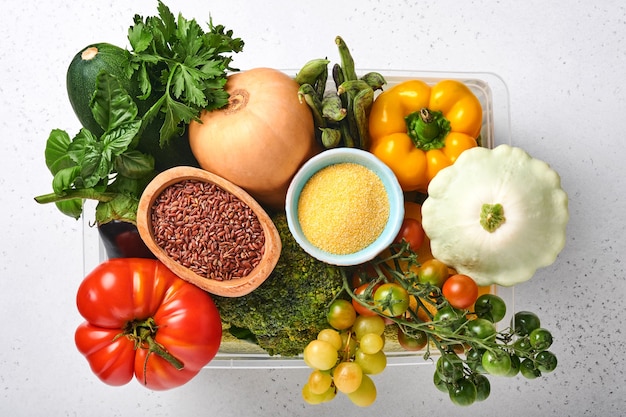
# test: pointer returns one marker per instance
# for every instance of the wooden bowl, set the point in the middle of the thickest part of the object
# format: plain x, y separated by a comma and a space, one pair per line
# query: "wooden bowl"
236, 286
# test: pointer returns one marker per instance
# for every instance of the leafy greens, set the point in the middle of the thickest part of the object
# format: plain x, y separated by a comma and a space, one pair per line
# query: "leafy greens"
182, 64
107, 169
181, 70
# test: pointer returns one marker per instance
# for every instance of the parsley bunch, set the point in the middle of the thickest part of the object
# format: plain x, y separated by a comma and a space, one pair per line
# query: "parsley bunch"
183, 66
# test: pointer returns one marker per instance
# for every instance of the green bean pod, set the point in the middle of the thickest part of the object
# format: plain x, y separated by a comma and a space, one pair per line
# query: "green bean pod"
331, 137
361, 109
348, 138
350, 89
311, 71
337, 75
307, 93
347, 62
353, 87
375, 80
320, 84
332, 107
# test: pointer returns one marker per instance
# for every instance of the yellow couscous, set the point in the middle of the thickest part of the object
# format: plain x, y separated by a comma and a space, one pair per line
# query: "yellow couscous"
343, 208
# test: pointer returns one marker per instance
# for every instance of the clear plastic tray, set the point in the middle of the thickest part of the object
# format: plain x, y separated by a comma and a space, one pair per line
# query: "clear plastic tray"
493, 95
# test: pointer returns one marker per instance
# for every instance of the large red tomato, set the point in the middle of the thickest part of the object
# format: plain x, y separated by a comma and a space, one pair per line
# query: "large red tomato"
142, 320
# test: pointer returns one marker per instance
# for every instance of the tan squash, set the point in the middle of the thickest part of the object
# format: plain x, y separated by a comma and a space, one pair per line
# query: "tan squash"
260, 139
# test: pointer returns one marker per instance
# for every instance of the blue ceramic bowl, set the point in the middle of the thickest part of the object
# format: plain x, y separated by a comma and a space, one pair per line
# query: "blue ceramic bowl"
392, 188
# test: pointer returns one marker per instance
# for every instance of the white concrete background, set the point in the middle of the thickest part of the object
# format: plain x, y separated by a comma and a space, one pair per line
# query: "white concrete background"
564, 63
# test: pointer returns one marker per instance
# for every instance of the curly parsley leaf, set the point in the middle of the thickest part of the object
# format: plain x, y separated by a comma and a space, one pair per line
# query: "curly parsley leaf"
183, 64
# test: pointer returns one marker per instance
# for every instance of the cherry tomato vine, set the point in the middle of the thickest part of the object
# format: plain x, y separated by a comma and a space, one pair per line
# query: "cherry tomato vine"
458, 324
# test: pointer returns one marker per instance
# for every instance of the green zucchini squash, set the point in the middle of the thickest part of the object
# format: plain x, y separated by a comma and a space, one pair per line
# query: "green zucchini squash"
81, 82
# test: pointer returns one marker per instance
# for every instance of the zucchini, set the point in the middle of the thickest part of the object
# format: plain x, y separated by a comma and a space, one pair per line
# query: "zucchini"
81, 78
81, 82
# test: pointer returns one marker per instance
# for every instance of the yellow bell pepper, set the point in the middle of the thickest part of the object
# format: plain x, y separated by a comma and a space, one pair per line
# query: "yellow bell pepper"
417, 130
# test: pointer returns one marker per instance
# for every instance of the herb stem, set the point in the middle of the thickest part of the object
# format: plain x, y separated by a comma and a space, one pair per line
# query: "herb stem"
83, 193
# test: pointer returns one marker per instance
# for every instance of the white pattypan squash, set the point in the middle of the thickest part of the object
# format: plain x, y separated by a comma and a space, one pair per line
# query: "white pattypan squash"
496, 215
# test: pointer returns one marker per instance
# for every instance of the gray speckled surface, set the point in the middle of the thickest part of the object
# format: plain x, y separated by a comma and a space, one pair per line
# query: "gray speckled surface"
564, 64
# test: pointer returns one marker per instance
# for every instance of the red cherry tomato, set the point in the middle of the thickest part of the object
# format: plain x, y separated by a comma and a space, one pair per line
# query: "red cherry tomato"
361, 309
412, 232
460, 290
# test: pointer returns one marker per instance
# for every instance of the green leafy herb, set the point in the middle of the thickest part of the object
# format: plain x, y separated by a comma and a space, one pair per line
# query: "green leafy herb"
106, 169
176, 60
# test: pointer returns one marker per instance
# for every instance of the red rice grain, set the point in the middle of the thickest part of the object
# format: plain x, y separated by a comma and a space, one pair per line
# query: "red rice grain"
208, 230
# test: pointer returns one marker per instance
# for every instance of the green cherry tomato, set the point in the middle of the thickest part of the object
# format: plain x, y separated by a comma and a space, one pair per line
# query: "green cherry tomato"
525, 322
529, 370
540, 339
433, 272
416, 341
546, 361
462, 392
522, 345
391, 299
490, 307
341, 314
497, 362
483, 387
473, 359
440, 383
515, 365
482, 329
448, 318
450, 367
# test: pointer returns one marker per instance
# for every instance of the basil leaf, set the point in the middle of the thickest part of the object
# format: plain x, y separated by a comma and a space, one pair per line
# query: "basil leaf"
122, 207
64, 179
134, 164
56, 151
72, 208
117, 141
111, 105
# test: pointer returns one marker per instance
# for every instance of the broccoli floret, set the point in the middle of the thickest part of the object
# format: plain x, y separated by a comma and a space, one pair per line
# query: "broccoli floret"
288, 310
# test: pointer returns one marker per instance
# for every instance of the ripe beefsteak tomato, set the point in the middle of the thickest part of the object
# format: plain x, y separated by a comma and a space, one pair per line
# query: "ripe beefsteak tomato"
143, 320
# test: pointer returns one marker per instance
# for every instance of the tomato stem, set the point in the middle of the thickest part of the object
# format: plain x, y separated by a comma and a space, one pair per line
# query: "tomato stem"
143, 334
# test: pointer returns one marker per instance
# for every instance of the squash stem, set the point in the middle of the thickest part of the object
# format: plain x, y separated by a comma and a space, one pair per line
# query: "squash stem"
492, 216
427, 129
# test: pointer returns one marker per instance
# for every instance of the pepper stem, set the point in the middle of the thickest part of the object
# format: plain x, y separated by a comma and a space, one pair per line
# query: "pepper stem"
492, 216
427, 129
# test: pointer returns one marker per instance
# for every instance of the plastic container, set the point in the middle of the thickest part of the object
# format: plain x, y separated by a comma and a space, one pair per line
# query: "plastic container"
493, 94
